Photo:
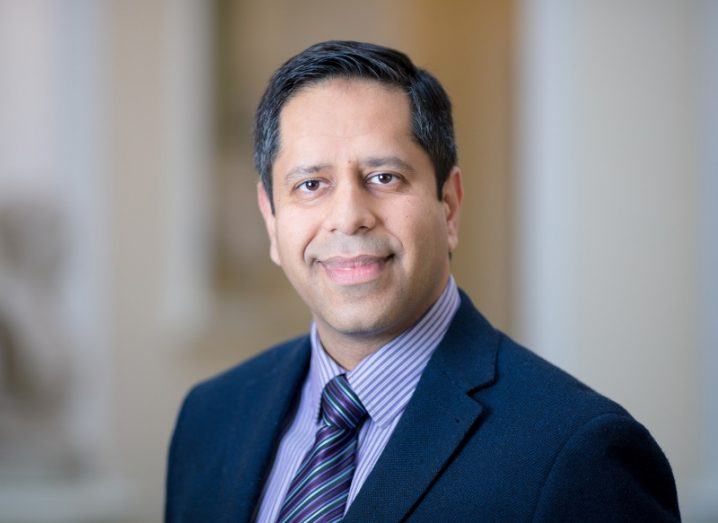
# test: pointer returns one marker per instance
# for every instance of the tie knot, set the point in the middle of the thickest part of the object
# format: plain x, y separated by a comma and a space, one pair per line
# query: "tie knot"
341, 407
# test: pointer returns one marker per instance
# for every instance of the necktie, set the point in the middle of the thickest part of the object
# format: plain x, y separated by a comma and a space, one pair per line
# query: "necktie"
319, 491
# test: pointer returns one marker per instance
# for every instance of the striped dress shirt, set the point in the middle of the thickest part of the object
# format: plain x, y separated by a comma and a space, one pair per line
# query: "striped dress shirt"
384, 382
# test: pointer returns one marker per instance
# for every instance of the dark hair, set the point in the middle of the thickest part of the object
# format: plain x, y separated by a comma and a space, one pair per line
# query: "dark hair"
431, 121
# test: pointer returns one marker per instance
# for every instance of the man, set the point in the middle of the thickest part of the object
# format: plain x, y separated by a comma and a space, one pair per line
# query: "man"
402, 403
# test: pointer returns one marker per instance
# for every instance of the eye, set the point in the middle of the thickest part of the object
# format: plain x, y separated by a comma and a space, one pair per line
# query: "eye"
383, 178
309, 185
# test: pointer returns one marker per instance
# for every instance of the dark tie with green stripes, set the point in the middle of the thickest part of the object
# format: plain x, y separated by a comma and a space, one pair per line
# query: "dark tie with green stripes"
319, 490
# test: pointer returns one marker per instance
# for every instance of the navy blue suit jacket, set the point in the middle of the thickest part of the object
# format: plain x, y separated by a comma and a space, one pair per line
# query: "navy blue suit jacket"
492, 433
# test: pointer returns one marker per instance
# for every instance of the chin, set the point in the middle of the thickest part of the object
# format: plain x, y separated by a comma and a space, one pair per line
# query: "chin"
358, 325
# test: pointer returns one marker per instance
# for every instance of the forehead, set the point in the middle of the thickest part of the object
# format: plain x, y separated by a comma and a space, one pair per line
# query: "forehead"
345, 109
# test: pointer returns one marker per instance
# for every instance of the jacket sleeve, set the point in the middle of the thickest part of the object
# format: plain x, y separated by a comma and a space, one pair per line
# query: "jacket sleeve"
610, 469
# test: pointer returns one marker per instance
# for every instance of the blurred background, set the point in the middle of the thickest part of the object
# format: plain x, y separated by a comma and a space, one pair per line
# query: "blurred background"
133, 262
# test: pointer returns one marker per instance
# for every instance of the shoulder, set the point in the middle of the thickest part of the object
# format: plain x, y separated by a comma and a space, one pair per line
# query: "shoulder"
505, 373
212, 416
599, 463
546, 389
207, 410
244, 374
609, 468
210, 405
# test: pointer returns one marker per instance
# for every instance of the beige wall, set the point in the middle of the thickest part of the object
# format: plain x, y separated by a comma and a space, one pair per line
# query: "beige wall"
609, 208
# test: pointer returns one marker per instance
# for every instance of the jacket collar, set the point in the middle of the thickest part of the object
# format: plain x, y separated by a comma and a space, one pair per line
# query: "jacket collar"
436, 420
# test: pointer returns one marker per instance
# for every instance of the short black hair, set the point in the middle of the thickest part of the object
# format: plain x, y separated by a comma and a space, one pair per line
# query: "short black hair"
431, 120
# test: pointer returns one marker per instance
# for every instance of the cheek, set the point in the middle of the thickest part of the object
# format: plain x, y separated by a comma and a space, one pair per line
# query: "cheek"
419, 227
294, 232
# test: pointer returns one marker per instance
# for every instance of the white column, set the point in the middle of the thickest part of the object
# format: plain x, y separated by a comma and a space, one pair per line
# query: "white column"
544, 186
704, 495
609, 187
188, 75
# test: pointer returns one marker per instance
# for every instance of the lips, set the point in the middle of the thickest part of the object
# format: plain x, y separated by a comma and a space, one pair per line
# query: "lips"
354, 270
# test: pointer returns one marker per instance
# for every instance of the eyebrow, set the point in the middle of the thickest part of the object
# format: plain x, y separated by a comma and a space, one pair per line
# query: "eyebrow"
388, 161
303, 170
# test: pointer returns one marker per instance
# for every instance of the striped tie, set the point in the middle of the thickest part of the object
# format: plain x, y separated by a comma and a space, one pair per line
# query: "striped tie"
320, 488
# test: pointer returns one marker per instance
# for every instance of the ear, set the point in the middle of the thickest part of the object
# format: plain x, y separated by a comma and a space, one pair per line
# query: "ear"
452, 194
269, 221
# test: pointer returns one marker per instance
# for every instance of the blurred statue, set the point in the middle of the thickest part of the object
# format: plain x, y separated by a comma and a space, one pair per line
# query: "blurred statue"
36, 360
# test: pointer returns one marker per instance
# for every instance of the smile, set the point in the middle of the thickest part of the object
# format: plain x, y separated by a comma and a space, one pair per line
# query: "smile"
356, 270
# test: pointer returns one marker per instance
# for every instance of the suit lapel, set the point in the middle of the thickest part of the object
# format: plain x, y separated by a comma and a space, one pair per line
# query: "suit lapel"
258, 419
435, 422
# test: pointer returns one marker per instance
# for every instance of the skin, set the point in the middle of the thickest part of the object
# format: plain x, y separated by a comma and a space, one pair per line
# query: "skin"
358, 228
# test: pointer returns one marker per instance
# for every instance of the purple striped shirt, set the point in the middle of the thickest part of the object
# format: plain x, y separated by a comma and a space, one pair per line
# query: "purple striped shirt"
384, 382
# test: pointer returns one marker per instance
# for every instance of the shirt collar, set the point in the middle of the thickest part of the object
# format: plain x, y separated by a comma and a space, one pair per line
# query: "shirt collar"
385, 380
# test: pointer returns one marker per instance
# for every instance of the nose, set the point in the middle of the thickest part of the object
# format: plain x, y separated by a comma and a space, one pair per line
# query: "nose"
350, 211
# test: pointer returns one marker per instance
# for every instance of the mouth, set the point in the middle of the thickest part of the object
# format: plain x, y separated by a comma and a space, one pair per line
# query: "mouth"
355, 270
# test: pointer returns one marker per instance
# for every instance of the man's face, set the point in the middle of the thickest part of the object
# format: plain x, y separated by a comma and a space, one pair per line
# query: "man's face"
358, 228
